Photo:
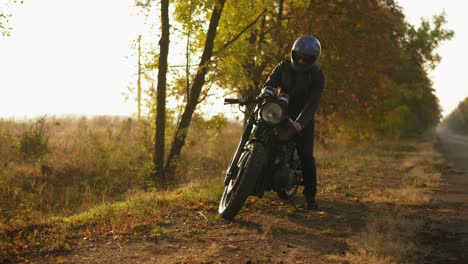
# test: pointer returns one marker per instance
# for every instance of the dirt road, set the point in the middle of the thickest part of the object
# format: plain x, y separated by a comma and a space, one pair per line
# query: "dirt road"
450, 223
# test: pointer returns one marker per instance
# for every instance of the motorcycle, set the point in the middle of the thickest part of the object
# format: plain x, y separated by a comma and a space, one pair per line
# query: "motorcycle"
263, 161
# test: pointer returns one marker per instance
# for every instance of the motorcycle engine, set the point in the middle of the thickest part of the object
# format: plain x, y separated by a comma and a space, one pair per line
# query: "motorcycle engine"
283, 176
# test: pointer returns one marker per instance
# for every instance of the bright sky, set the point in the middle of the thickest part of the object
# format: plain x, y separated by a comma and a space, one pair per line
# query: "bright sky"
69, 56
451, 75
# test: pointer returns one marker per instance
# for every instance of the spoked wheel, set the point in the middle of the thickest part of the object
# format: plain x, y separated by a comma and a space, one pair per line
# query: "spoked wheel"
239, 188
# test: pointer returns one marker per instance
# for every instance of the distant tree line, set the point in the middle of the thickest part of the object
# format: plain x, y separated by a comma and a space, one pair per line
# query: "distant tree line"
457, 121
376, 64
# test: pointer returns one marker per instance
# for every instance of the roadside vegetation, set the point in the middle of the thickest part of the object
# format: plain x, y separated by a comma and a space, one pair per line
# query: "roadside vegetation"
375, 64
67, 165
57, 167
457, 121
70, 183
371, 193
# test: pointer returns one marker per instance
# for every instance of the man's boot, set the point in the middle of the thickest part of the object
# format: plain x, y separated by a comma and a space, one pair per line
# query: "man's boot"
309, 195
310, 204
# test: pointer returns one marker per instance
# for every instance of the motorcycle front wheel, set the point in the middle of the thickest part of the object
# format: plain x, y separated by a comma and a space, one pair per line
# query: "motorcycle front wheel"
235, 194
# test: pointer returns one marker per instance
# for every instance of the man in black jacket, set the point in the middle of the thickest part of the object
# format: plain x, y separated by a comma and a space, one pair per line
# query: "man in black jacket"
304, 82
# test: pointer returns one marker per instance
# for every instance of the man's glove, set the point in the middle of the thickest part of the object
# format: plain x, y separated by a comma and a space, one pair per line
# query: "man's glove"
288, 131
268, 91
298, 127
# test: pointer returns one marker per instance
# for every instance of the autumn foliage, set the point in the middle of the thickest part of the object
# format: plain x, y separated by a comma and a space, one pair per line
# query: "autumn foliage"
457, 121
375, 62
377, 86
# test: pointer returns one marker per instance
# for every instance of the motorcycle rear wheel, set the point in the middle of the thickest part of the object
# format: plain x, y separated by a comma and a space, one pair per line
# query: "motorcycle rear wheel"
235, 194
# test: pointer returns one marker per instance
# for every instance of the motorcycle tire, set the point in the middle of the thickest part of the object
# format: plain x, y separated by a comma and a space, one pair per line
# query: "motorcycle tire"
240, 187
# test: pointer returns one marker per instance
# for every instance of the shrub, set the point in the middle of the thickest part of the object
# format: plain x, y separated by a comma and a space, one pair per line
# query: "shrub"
34, 141
8, 142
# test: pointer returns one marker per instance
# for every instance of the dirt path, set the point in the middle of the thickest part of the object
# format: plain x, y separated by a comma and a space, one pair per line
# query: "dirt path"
449, 226
373, 209
278, 234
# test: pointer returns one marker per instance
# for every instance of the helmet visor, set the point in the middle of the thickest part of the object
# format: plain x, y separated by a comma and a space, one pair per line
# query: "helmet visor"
302, 58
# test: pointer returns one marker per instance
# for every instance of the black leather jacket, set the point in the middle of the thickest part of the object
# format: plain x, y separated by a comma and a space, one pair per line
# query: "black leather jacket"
304, 90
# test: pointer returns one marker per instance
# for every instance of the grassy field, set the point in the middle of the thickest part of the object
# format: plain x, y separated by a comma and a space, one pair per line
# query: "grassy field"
67, 182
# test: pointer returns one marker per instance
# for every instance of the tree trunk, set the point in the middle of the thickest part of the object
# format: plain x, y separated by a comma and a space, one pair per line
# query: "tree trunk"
280, 10
254, 68
195, 91
158, 156
139, 78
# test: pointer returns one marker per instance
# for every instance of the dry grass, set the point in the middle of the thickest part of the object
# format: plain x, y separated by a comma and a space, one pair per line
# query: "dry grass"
390, 234
95, 174
85, 162
91, 161
141, 212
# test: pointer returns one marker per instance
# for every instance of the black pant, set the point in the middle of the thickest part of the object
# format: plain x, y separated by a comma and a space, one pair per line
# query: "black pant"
305, 149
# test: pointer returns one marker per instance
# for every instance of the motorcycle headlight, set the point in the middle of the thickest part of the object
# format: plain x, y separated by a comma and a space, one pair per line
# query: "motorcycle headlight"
271, 113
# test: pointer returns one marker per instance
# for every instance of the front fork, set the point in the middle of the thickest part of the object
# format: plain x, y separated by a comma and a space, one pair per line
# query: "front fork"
232, 169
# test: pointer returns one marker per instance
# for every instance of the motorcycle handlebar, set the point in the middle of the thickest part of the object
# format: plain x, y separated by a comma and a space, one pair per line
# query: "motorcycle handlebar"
241, 101
231, 101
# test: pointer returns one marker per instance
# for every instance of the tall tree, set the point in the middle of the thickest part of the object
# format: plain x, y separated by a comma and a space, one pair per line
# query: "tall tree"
158, 156
457, 121
411, 106
258, 31
368, 51
195, 90
139, 79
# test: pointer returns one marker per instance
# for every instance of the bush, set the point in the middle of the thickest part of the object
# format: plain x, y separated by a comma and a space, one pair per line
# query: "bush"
34, 142
8, 142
